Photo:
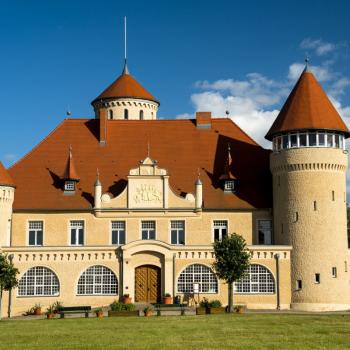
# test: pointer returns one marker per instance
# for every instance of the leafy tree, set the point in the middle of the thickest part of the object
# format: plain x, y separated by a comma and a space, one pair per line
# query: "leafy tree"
231, 261
8, 276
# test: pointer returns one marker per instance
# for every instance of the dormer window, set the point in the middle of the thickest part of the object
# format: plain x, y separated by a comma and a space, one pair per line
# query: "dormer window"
69, 186
229, 186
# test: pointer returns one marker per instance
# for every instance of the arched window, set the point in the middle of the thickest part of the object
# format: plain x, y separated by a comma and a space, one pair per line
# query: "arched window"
200, 274
110, 114
97, 280
39, 281
258, 280
126, 114
141, 114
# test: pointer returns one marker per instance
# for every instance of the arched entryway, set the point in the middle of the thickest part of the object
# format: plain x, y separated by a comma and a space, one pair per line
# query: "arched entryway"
147, 284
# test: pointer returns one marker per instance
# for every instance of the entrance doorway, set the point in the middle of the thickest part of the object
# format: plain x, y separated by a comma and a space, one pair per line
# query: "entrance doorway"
147, 284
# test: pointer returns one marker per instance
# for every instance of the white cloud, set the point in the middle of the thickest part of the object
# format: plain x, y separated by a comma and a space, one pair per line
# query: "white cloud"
322, 73
318, 45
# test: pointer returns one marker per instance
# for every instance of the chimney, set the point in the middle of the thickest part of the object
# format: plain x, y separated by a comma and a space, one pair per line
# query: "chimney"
203, 120
103, 125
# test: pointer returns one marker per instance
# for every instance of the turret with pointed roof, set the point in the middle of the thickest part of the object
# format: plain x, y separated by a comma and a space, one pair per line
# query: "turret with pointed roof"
126, 98
5, 178
307, 108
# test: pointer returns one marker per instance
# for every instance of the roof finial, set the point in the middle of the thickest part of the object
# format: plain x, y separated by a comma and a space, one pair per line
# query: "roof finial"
198, 181
307, 60
97, 182
125, 70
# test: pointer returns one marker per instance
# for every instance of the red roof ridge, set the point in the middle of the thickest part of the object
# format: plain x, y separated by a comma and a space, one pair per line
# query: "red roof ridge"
5, 177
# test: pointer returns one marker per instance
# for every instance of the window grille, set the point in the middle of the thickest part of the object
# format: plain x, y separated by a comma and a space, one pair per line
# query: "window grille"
229, 186
69, 186
39, 281
35, 233
118, 232
200, 274
98, 280
178, 232
148, 230
258, 280
220, 229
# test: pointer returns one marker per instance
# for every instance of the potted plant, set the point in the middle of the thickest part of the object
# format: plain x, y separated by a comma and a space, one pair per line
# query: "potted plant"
37, 309
50, 312
99, 312
127, 299
148, 311
203, 305
239, 309
167, 299
215, 307
56, 306
120, 309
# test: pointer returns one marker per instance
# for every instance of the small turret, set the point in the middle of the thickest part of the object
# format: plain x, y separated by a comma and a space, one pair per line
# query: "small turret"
70, 175
98, 192
199, 194
7, 192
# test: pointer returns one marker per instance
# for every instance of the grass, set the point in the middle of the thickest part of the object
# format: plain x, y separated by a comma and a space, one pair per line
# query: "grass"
249, 331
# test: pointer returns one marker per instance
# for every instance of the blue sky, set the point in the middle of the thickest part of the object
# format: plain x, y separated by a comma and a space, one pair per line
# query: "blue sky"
241, 56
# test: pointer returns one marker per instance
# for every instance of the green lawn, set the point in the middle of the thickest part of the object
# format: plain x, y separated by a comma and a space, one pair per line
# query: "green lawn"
249, 331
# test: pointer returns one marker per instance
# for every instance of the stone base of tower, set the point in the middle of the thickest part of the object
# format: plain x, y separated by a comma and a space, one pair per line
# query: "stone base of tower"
319, 307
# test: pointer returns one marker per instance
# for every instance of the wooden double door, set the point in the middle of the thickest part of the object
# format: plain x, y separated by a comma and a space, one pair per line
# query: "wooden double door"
147, 284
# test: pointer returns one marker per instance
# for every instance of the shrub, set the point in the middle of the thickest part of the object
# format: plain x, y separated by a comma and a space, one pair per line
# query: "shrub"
204, 302
116, 306
215, 303
129, 307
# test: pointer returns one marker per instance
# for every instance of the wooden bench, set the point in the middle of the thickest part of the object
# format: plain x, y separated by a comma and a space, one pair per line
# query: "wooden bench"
74, 310
168, 309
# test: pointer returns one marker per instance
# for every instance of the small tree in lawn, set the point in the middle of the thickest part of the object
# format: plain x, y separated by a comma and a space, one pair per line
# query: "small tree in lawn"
231, 261
8, 276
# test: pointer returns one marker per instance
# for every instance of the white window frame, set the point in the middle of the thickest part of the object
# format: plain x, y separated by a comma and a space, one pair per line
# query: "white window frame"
148, 230
76, 234
177, 235
36, 233
334, 272
200, 279
90, 275
69, 185
249, 285
38, 281
229, 186
118, 230
221, 227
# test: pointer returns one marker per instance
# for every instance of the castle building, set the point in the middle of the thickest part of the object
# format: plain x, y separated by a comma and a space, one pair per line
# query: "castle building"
128, 204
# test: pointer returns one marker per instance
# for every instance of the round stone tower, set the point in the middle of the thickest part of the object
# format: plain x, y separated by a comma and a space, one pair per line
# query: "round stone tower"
126, 99
7, 192
308, 165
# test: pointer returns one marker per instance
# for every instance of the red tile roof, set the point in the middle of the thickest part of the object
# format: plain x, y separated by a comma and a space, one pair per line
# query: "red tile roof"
70, 173
125, 86
5, 178
178, 145
307, 107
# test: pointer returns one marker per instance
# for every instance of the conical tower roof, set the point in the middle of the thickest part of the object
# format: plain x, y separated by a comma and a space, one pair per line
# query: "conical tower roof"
125, 86
5, 178
307, 107
70, 172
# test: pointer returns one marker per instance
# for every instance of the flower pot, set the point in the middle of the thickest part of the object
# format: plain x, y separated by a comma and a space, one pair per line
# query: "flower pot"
148, 313
37, 311
201, 311
167, 300
99, 314
216, 310
50, 316
127, 300
240, 309
123, 313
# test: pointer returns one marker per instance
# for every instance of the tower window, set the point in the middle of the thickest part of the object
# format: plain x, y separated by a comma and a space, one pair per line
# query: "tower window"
346, 266
315, 205
69, 186
110, 114
126, 114
334, 272
229, 186
302, 140
317, 278
299, 284
333, 196
312, 139
141, 114
293, 140
329, 138
321, 138
296, 216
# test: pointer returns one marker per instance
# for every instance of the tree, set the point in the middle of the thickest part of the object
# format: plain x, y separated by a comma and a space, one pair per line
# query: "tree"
8, 276
231, 261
